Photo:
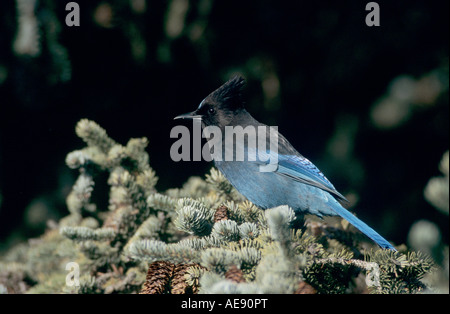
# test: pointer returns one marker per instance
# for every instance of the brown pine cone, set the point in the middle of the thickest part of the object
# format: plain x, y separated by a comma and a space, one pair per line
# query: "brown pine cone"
178, 284
305, 288
235, 274
221, 213
158, 278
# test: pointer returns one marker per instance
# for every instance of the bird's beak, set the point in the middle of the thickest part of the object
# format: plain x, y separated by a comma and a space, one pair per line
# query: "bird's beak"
190, 115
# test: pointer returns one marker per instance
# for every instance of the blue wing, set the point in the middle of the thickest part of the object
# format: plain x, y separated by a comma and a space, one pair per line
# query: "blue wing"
300, 169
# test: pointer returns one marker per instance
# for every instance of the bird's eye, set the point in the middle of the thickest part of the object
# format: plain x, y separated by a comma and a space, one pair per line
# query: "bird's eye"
211, 110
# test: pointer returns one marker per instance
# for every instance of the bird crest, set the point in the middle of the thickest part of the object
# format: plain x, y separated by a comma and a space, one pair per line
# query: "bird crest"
229, 94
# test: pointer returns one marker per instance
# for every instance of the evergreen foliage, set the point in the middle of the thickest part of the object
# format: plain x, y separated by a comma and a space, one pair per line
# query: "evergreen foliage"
204, 237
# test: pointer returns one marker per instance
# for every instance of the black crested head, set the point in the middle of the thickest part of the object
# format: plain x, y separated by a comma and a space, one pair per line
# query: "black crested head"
229, 95
222, 107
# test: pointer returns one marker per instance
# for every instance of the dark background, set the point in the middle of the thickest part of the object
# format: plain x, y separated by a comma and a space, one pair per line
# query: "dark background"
314, 69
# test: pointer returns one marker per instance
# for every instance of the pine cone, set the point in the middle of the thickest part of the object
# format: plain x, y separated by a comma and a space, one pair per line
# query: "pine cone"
305, 288
178, 284
195, 288
221, 213
235, 274
316, 228
158, 278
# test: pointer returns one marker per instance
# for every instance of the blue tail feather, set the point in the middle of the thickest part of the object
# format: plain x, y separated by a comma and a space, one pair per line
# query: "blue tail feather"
363, 227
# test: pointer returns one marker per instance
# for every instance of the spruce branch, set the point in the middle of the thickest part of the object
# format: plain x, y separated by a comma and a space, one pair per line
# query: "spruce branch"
226, 230
79, 198
222, 186
218, 259
248, 230
193, 275
85, 234
152, 250
162, 202
194, 217
94, 135
437, 189
279, 219
400, 273
27, 40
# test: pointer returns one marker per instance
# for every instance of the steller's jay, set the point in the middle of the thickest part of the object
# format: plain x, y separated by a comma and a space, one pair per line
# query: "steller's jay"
294, 181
